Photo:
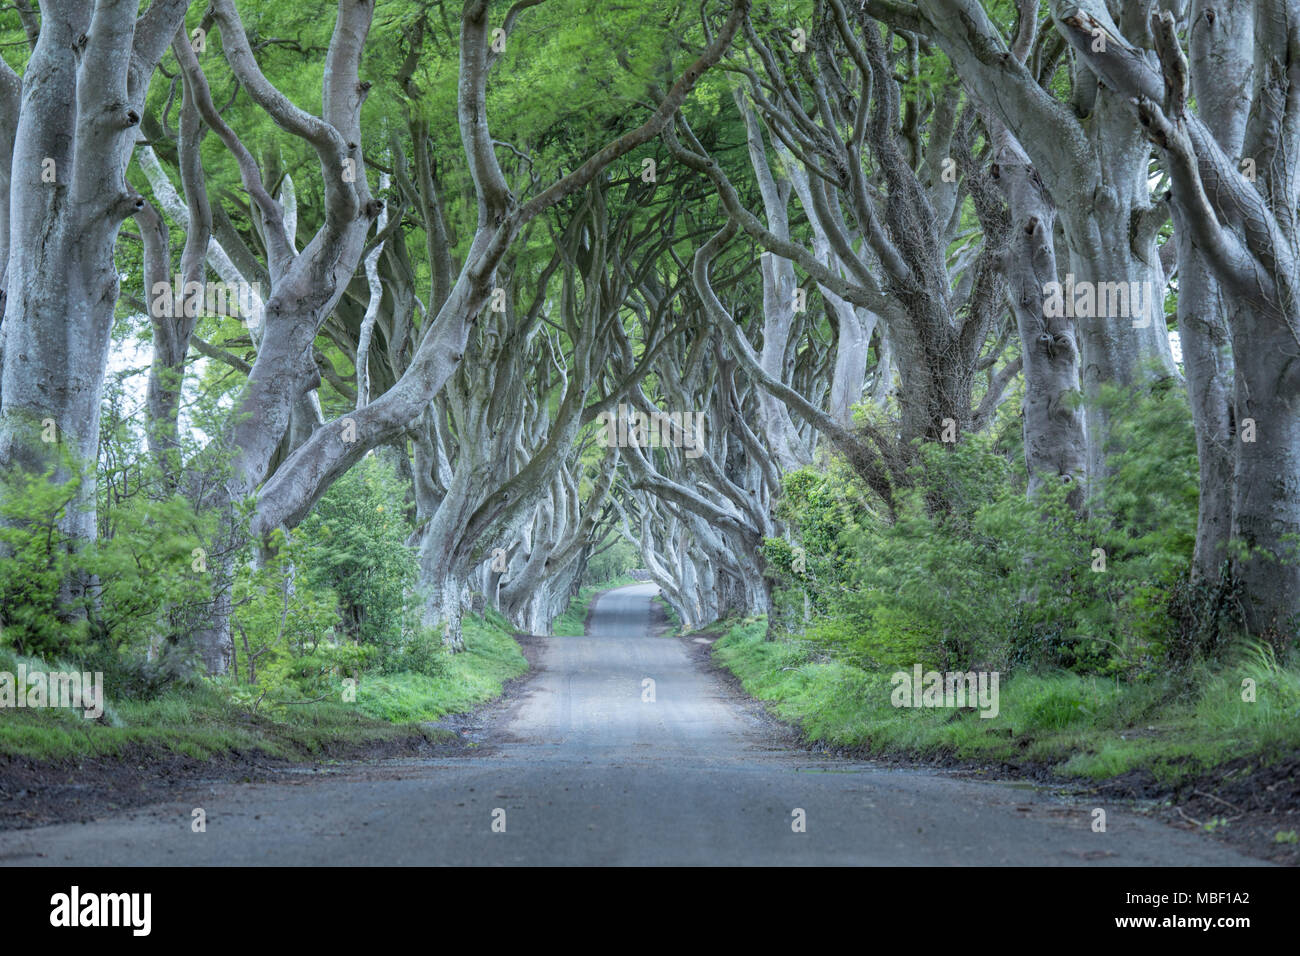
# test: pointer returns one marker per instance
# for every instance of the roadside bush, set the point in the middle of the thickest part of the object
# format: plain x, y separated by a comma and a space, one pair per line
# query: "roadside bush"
357, 549
974, 574
286, 629
424, 653
135, 579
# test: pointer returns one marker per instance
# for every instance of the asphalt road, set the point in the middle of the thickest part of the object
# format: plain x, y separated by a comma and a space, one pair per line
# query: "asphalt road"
587, 766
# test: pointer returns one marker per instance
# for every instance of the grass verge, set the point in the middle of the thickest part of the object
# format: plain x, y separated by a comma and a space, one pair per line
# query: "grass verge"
474, 676
201, 721
1087, 728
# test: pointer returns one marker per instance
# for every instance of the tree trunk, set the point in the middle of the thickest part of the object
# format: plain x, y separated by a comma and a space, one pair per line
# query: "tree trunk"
1055, 441
1267, 501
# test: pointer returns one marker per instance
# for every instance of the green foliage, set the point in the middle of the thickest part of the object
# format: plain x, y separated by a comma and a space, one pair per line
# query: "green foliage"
35, 558
1107, 666
477, 674
197, 720
148, 563
973, 573
357, 549
131, 587
425, 654
614, 562
288, 647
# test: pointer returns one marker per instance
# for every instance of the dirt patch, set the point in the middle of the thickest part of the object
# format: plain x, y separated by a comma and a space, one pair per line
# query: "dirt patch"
1244, 803
35, 793
1248, 803
1245, 815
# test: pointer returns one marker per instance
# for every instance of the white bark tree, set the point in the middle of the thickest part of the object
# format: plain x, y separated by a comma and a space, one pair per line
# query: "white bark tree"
1093, 158
69, 141
1245, 233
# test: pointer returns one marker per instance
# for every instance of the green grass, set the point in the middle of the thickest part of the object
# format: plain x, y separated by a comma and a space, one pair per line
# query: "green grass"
1083, 727
572, 623
198, 722
491, 657
201, 720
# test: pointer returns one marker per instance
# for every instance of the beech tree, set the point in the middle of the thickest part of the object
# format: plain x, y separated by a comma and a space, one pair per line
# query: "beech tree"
1240, 229
899, 236
69, 130
1093, 158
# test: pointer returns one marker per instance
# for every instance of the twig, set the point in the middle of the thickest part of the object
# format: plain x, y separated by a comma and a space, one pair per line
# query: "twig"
294, 703
1187, 818
1219, 799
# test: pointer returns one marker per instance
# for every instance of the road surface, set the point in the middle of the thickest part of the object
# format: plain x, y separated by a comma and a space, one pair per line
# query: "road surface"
587, 766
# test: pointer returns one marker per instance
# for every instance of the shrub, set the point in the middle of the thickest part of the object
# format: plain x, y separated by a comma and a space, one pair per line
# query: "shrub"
424, 653
285, 628
356, 548
135, 581
971, 572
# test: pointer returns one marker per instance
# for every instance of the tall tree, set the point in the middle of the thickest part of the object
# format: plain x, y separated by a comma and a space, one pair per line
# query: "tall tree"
1246, 232
83, 93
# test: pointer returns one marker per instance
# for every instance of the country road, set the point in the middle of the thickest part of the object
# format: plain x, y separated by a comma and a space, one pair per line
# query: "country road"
589, 767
